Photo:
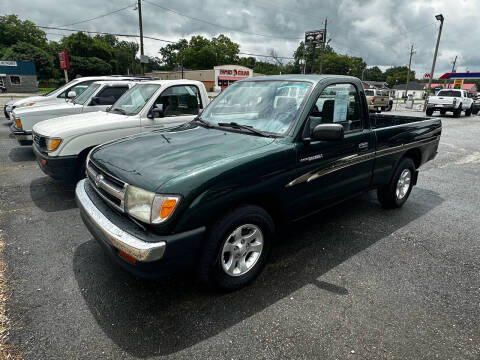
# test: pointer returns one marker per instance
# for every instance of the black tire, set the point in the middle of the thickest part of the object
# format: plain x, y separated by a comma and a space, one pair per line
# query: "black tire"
457, 112
468, 112
82, 166
387, 194
443, 112
429, 112
211, 270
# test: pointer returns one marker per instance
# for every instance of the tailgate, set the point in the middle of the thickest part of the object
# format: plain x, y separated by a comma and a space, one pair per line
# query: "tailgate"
445, 100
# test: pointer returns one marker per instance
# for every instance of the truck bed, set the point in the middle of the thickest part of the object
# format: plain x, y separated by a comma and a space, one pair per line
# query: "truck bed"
379, 121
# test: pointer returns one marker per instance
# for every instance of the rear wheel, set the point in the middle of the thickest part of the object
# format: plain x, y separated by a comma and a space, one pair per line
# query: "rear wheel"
236, 248
396, 193
429, 112
443, 112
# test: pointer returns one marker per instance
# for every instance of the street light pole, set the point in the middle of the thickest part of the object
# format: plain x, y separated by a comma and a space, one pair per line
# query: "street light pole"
441, 19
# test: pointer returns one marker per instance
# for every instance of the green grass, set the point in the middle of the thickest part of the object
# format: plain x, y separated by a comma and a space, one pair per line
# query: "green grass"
45, 90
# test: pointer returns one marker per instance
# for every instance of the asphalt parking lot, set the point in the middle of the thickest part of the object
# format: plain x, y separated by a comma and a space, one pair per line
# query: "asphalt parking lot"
353, 282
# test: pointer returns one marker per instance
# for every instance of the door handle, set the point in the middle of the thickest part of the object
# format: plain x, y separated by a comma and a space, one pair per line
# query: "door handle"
363, 145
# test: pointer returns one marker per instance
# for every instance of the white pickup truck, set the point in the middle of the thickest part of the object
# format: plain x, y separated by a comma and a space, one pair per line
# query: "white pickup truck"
69, 90
97, 97
61, 145
452, 100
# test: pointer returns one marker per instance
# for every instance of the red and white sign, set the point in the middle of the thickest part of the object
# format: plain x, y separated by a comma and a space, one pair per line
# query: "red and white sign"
426, 76
63, 59
235, 72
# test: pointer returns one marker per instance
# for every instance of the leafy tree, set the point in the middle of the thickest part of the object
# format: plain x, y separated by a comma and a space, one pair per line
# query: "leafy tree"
14, 30
200, 53
87, 66
44, 62
84, 45
398, 75
374, 74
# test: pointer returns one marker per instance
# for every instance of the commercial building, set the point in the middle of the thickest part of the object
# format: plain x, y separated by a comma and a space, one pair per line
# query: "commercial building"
18, 76
214, 79
415, 89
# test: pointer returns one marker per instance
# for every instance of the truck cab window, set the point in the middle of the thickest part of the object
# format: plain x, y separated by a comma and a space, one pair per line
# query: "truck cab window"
339, 103
180, 100
110, 94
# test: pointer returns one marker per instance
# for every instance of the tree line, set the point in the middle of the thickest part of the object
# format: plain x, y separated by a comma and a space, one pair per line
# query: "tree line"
106, 54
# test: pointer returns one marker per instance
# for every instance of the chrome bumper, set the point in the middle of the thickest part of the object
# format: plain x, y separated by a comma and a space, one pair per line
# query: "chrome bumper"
112, 234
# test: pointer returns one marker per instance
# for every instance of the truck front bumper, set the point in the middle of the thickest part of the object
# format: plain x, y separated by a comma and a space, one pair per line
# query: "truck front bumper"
151, 255
23, 137
58, 167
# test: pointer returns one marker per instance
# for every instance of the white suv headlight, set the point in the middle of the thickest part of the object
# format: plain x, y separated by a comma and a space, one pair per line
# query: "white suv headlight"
31, 103
149, 207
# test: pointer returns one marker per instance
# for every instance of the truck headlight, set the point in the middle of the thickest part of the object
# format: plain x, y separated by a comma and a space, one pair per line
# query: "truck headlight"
18, 123
52, 143
149, 207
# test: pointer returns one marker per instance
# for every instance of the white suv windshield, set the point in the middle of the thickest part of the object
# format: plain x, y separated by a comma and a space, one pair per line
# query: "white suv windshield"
84, 96
269, 106
134, 99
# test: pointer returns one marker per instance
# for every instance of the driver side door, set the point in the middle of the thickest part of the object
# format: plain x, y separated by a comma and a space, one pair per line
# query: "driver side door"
331, 170
177, 105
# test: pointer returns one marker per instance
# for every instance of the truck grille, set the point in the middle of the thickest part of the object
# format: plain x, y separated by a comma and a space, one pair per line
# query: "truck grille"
111, 189
40, 141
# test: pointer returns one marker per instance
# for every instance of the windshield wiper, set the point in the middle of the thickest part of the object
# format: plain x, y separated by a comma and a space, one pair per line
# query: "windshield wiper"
121, 111
203, 122
235, 125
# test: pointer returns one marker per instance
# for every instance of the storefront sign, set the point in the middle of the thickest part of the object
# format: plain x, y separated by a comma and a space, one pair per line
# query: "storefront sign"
8, 63
63, 59
234, 72
457, 84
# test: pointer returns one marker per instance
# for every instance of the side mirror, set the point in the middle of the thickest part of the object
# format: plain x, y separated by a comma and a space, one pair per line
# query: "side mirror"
71, 94
156, 112
327, 132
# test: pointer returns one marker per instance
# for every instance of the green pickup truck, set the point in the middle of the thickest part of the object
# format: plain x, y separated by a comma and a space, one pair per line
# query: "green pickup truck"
210, 194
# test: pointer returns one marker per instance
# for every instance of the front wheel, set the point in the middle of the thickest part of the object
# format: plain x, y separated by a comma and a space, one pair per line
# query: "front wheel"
443, 112
396, 193
429, 112
468, 112
236, 248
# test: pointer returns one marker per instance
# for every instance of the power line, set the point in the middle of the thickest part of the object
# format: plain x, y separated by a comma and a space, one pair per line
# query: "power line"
100, 16
134, 36
218, 25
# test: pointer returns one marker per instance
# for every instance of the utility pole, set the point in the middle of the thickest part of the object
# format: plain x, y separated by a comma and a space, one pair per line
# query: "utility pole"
139, 6
409, 67
440, 18
453, 69
323, 45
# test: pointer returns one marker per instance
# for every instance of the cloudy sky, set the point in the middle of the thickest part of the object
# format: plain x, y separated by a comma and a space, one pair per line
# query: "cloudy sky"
380, 31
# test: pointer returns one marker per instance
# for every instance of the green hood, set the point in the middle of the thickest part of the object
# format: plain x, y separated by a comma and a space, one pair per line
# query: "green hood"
150, 160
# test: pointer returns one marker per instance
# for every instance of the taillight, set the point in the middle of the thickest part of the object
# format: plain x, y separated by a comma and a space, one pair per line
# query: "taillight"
372, 100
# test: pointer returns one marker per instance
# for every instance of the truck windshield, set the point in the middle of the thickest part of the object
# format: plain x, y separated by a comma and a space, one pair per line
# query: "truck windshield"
268, 106
449, 93
369, 93
134, 99
84, 96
